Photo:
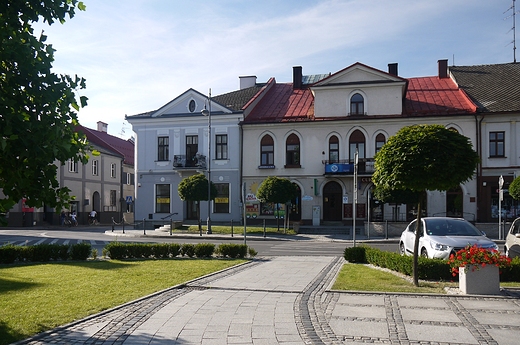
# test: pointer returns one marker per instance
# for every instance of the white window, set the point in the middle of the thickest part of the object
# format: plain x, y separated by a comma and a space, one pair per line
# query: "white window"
73, 166
95, 167
128, 178
113, 170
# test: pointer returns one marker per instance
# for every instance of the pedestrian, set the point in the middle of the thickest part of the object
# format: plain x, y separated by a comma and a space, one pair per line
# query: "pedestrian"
73, 217
62, 217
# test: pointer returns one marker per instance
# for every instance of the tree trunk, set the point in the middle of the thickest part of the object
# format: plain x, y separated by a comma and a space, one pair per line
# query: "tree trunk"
418, 229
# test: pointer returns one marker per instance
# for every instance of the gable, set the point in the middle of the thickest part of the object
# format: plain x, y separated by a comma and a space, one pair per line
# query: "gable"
188, 103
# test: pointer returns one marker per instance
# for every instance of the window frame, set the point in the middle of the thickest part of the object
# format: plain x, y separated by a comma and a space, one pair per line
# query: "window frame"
73, 166
333, 149
95, 167
495, 144
221, 147
113, 197
379, 143
267, 152
292, 151
355, 142
162, 191
113, 170
357, 106
223, 194
163, 148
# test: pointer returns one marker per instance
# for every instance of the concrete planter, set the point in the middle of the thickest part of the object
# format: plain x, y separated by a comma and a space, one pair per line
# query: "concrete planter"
479, 280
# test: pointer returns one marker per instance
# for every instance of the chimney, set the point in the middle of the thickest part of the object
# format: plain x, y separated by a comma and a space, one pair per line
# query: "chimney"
247, 81
443, 68
297, 77
101, 126
392, 69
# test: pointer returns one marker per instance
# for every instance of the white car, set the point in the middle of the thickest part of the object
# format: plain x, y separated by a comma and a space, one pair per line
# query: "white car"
443, 236
512, 246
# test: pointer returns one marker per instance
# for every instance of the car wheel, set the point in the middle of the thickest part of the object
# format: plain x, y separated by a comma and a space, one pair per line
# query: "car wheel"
401, 248
424, 253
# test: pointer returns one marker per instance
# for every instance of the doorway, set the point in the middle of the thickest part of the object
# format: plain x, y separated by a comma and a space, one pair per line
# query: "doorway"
332, 202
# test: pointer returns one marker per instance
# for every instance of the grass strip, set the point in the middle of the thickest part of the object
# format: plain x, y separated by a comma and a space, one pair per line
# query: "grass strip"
39, 297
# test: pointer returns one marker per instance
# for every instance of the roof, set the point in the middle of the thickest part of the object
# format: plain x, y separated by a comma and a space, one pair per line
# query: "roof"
435, 96
494, 88
282, 103
125, 148
236, 100
425, 96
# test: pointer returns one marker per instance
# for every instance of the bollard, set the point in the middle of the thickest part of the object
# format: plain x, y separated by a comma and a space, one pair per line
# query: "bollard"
123, 225
264, 228
231, 227
144, 226
112, 224
171, 226
386, 229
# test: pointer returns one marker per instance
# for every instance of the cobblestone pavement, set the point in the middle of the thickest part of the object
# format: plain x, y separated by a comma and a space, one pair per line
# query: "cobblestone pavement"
286, 300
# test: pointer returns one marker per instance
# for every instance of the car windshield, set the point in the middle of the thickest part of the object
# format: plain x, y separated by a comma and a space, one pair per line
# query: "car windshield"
450, 227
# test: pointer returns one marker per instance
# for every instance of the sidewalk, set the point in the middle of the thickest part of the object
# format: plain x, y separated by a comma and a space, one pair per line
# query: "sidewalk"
287, 300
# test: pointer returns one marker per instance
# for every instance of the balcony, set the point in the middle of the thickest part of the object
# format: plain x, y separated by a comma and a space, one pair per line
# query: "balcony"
346, 167
196, 162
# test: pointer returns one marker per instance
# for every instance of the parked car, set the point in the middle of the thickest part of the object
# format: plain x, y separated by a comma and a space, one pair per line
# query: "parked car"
443, 236
512, 246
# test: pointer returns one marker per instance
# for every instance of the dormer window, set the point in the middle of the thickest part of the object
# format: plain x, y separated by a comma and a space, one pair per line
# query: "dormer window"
357, 105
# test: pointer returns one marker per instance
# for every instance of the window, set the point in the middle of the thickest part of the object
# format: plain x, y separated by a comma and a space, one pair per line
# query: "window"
73, 166
496, 144
162, 198
163, 148
113, 198
357, 105
128, 179
267, 151
221, 146
191, 106
192, 148
357, 142
113, 170
292, 151
95, 167
222, 200
333, 149
380, 141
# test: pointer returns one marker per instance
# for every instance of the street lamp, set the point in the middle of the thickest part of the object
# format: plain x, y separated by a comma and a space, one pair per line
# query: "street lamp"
207, 112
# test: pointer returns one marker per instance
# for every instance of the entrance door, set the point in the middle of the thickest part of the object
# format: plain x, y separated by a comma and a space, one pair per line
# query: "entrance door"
332, 202
296, 207
191, 210
454, 202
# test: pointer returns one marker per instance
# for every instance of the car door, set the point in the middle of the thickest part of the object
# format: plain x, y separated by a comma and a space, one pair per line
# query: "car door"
409, 239
513, 239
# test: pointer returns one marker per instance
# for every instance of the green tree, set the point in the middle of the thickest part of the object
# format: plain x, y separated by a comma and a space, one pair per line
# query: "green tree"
276, 190
195, 188
37, 107
424, 157
514, 188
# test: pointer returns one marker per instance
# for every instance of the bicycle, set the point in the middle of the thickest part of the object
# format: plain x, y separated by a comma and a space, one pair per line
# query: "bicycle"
92, 221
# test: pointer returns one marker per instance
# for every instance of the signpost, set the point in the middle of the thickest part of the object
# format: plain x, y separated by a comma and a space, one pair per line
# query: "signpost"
500, 198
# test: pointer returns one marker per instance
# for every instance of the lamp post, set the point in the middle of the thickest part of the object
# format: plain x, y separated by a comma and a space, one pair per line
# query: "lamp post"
207, 112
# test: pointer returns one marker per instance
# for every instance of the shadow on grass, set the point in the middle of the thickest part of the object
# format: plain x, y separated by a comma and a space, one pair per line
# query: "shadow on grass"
8, 335
14, 285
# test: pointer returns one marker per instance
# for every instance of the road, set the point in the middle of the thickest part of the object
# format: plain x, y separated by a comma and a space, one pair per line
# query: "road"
303, 246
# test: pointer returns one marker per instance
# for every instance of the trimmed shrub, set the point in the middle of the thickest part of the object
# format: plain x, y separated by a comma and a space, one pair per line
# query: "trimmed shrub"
232, 250
160, 250
174, 249
204, 250
80, 251
511, 273
355, 254
8, 254
188, 249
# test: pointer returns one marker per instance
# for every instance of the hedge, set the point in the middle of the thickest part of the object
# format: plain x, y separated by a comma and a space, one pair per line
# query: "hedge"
44, 252
428, 269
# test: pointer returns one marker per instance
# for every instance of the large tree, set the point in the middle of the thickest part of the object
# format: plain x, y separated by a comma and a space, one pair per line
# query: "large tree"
514, 188
276, 190
424, 157
195, 188
37, 107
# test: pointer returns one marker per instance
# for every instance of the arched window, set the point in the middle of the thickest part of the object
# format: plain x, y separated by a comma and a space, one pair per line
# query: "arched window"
357, 142
380, 141
333, 149
357, 105
267, 151
292, 151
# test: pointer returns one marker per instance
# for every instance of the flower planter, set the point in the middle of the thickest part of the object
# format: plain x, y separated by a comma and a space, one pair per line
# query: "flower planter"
479, 280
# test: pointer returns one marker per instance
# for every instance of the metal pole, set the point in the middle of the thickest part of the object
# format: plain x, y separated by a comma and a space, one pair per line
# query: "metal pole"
112, 224
123, 225
231, 227
209, 166
264, 228
171, 226
354, 202
244, 209
368, 203
500, 195
144, 226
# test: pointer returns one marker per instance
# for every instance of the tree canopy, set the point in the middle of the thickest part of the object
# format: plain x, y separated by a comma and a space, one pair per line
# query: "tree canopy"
37, 106
276, 189
420, 158
514, 188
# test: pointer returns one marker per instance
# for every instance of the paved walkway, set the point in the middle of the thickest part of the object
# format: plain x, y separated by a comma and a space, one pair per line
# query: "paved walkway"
286, 300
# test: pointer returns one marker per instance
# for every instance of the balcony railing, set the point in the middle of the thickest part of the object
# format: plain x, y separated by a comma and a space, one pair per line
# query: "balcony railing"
198, 162
346, 166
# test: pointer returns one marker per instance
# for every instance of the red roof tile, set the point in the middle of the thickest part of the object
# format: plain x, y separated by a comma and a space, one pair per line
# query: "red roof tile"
125, 148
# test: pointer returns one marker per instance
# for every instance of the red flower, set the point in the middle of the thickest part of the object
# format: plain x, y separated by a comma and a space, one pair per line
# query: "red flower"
476, 257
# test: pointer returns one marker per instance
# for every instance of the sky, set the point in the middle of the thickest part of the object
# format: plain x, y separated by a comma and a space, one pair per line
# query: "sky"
137, 55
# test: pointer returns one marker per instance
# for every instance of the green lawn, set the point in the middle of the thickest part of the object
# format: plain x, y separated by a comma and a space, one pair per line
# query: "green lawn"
239, 229
38, 297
